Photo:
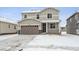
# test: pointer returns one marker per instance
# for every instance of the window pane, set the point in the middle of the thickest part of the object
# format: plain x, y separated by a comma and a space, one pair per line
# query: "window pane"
14, 27
25, 16
49, 15
52, 25
37, 16
8, 26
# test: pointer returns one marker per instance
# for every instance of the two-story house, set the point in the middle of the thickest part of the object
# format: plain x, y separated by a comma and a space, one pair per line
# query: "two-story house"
73, 24
44, 21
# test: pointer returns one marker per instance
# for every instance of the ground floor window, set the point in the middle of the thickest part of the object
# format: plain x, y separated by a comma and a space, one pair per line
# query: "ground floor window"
52, 25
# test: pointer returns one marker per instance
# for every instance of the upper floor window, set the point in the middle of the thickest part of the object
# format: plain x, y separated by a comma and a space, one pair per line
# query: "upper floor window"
25, 16
37, 16
49, 16
8, 26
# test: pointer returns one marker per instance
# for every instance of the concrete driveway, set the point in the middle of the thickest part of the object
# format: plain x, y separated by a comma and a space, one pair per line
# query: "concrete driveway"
14, 42
4, 37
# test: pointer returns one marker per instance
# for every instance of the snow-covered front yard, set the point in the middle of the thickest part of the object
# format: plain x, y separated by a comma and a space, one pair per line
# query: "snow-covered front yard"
64, 41
39, 42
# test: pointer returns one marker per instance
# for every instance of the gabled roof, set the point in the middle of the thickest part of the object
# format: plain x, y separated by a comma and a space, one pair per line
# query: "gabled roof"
72, 15
37, 11
27, 19
32, 11
2, 19
50, 8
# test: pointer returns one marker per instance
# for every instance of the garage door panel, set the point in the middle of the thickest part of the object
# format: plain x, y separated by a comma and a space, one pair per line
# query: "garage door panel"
29, 30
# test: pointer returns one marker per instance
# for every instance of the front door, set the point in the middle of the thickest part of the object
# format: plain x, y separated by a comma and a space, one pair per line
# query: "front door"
44, 27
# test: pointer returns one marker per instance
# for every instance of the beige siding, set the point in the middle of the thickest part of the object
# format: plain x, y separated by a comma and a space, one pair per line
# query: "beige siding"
29, 15
29, 22
32, 17
53, 30
43, 14
5, 28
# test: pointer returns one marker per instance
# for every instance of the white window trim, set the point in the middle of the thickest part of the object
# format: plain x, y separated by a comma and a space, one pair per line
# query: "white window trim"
50, 26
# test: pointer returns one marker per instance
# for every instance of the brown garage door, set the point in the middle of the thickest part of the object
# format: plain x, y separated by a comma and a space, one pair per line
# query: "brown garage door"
29, 29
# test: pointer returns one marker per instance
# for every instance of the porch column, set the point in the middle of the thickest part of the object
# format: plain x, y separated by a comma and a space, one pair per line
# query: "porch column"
46, 27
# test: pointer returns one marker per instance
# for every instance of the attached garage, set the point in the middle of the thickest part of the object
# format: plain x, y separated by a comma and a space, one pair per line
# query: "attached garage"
29, 29
29, 26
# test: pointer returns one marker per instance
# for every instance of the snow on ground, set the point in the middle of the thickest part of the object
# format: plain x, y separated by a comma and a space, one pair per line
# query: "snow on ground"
53, 42
65, 41
14, 42
3, 37
43, 49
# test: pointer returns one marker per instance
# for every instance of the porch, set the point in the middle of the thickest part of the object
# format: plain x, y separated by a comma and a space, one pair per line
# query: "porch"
50, 27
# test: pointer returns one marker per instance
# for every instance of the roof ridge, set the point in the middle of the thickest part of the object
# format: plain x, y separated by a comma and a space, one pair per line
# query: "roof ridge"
3, 19
36, 11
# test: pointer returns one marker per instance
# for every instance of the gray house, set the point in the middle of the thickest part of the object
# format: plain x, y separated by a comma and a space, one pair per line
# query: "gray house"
73, 24
43, 21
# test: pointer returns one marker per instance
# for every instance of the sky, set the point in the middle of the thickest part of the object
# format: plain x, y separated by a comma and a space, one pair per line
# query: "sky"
14, 13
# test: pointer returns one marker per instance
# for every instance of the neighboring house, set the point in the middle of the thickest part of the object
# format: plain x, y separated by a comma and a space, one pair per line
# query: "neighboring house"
7, 26
73, 24
43, 21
